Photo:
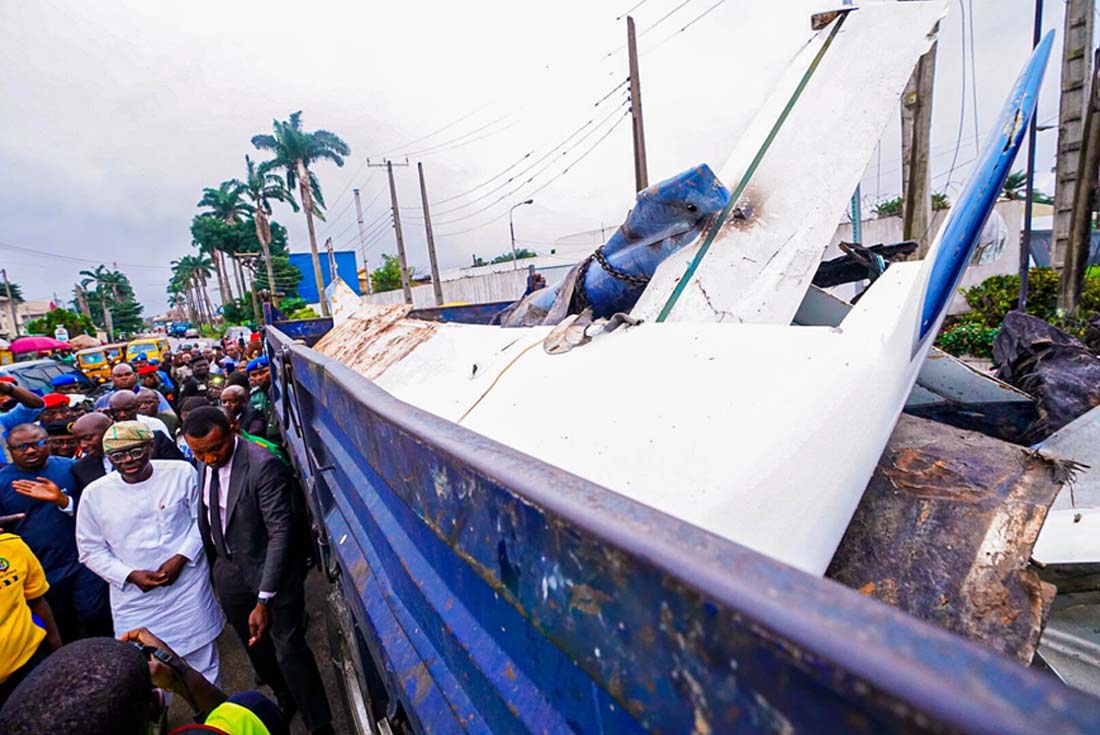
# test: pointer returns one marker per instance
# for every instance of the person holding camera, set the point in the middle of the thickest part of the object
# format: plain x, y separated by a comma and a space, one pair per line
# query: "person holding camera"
102, 686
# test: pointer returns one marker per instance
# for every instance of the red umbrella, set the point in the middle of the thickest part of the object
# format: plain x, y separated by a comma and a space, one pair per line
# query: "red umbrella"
22, 345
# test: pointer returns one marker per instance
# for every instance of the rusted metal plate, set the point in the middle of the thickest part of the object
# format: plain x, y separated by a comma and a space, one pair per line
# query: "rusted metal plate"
375, 337
945, 531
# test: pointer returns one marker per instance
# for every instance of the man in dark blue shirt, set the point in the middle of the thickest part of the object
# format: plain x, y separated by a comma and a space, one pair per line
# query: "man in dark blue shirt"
44, 488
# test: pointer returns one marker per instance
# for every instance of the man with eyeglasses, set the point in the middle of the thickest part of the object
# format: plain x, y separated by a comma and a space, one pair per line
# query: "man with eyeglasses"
138, 529
45, 490
17, 406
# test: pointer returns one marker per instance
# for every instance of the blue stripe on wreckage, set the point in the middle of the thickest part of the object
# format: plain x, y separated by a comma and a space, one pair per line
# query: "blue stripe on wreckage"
972, 208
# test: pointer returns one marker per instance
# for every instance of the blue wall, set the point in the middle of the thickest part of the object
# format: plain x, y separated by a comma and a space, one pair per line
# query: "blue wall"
345, 268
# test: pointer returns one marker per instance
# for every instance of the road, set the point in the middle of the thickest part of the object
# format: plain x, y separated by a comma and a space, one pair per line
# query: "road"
237, 674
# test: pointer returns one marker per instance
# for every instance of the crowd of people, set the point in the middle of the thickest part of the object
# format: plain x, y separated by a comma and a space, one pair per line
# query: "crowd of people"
153, 516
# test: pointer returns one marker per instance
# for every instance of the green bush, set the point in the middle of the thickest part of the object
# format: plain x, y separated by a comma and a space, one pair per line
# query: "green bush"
973, 333
967, 338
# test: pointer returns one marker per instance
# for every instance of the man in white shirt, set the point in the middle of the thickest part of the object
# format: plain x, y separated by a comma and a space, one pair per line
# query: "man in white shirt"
137, 528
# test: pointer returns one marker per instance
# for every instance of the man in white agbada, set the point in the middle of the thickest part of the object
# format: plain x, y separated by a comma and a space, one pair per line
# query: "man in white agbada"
138, 529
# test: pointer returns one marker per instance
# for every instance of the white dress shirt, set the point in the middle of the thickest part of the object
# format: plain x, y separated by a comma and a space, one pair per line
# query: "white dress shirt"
122, 527
225, 474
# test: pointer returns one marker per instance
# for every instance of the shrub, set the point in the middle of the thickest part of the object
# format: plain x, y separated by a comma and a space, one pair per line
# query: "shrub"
967, 338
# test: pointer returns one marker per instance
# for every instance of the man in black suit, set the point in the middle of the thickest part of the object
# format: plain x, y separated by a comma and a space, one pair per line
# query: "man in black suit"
88, 430
248, 527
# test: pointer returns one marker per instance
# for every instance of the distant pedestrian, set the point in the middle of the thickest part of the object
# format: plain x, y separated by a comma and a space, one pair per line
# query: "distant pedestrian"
65, 383
138, 529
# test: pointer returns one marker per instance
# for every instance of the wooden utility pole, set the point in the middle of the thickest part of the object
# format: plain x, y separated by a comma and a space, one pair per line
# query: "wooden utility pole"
11, 303
641, 172
1076, 75
1080, 234
401, 261
437, 287
916, 132
362, 239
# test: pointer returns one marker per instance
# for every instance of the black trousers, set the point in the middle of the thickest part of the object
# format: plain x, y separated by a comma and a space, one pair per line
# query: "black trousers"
81, 606
282, 657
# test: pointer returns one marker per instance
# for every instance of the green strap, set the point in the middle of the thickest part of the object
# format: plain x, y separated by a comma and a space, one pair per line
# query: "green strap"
736, 195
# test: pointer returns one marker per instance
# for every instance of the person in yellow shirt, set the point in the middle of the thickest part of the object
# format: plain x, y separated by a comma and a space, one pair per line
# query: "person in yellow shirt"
27, 627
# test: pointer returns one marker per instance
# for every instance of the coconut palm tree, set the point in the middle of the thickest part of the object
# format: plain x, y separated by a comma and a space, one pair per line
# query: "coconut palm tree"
262, 187
227, 204
1014, 186
295, 150
106, 284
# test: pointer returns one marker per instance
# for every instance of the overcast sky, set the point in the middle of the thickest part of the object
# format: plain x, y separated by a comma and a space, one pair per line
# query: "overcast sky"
119, 113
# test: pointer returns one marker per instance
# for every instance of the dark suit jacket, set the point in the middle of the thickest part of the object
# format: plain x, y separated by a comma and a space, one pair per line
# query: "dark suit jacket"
89, 468
259, 525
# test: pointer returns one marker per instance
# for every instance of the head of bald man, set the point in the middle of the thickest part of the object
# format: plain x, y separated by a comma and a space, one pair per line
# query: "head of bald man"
89, 430
123, 405
148, 401
234, 399
123, 376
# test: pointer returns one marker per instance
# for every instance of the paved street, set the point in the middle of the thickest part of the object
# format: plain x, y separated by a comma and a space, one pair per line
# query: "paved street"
237, 674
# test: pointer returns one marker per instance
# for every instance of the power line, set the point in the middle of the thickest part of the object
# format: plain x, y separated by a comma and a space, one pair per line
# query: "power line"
630, 10
521, 159
552, 180
973, 78
446, 143
963, 90
534, 164
75, 259
529, 179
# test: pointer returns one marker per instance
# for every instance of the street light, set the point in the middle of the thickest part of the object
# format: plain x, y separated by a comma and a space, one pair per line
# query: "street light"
512, 228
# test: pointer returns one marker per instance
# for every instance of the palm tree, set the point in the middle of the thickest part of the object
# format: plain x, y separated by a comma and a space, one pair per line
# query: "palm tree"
295, 149
227, 204
1015, 185
262, 186
106, 284
189, 277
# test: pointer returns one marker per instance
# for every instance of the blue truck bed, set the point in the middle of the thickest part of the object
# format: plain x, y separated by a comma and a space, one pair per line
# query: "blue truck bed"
480, 590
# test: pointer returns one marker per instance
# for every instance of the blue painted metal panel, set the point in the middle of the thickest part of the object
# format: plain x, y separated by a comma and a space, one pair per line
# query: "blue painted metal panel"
966, 219
346, 268
500, 594
465, 314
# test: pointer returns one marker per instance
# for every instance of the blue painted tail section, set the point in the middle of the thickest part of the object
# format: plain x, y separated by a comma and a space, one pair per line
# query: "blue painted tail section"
964, 223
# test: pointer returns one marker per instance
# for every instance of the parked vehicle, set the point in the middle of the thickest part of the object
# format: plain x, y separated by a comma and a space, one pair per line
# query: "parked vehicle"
179, 329
152, 347
191, 334
116, 352
36, 375
93, 363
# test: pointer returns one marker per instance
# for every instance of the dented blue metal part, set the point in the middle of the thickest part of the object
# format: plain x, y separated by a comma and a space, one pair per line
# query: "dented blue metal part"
666, 217
496, 593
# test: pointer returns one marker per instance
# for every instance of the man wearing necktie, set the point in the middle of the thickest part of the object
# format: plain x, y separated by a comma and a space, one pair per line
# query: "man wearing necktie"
246, 524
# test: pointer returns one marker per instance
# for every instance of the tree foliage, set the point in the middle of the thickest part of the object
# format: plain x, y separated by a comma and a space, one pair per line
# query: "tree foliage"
287, 276
388, 276
73, 322
16, 292
210, 233
112, 291
521, 253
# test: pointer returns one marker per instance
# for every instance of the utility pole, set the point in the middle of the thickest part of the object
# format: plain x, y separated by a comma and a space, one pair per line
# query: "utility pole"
362, 240
332, 274
1077, 254
11, 303
1024, 267
437, 287
401, 261
1076, 75
641, 173
916, 133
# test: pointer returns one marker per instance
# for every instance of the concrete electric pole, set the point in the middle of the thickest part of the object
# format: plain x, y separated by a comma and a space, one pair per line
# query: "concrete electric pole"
641, 173
437, 286
402, 262
362, 240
